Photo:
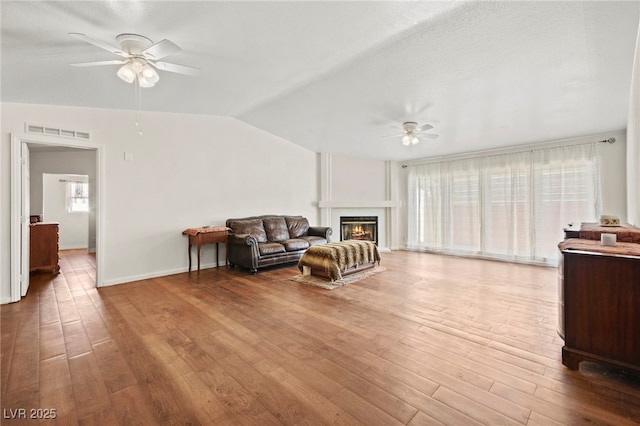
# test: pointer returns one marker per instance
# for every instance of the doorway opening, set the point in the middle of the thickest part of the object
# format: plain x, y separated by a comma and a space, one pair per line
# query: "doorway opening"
32, 159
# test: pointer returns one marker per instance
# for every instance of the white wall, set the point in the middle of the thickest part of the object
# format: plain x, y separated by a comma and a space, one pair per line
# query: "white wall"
73, 229
187, 170
356, 179
613, 177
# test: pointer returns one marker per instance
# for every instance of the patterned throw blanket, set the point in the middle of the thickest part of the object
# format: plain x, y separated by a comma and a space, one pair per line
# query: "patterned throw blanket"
334, 258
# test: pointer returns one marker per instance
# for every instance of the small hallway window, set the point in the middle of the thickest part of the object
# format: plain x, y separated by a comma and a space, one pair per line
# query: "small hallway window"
77, 197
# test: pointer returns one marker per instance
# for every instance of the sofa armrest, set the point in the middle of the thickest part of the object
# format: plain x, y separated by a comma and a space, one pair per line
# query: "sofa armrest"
320, 231
242, 239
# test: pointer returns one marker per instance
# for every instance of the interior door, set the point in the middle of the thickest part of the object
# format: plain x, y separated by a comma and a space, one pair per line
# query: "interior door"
24, 219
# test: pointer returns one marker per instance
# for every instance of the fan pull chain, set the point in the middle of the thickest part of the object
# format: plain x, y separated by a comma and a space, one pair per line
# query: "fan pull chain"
138, 96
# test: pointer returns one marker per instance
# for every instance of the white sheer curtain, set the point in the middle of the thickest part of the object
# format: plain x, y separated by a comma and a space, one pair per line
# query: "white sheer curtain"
507, 208
567, 189
510, 206
445, 206
633, 142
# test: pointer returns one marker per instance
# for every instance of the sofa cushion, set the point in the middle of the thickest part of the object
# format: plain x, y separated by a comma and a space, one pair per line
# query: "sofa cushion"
314, 241
298, 226
276, 228
295, 244
253, 227
270, 248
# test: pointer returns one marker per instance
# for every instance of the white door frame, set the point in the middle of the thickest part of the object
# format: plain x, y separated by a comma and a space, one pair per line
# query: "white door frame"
25, 213
16, 190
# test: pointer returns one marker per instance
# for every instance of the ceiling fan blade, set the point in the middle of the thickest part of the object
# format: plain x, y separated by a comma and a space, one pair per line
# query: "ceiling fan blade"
98, 63
429, 136
398, 135
99, 44
424, 127
180, 69
161, 49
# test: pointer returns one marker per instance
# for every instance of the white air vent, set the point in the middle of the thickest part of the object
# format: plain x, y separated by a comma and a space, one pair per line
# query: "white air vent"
56, 131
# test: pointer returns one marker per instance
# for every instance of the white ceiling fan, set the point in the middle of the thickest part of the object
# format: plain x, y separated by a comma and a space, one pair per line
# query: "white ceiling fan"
411, 133
140, 58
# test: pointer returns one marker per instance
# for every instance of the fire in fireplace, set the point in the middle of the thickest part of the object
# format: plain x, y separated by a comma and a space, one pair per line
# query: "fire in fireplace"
359, 228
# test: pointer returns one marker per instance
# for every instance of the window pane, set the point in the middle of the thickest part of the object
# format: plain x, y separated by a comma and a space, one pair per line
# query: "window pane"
77, 196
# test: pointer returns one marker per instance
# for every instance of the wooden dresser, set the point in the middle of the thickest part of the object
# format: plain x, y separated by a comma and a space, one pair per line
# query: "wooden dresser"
44, 247
599, 301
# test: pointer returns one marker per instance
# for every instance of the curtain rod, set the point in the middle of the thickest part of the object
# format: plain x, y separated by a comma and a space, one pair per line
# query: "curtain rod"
610, 140
501, 151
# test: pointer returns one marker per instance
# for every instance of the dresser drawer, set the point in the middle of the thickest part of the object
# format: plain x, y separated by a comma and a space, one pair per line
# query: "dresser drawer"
213, 237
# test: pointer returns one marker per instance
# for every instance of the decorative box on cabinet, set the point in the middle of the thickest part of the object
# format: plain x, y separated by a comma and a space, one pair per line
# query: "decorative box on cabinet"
601, 302
44, 246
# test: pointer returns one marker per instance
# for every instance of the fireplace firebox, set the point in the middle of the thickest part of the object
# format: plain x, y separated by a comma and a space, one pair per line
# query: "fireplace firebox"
359, 228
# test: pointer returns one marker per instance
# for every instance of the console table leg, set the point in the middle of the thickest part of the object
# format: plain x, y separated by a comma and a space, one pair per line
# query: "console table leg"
189, 254
199, 249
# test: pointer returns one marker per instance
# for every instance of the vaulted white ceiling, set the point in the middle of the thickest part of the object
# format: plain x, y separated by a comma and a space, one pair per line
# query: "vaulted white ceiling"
335, 76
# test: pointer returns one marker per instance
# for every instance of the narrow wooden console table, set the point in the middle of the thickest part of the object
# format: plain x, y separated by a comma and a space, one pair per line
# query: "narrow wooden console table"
207, 235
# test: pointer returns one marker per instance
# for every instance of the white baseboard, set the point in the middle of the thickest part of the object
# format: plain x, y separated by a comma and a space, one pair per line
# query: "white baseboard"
5, 300
73, 247
132, 278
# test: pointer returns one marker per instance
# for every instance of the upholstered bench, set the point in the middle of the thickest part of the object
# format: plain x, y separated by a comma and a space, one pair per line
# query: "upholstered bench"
336, 260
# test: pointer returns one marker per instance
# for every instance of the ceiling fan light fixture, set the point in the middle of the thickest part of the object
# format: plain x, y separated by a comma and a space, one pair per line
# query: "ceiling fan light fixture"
406, 140
149, 74
127, 73
143, 82
414, 140
139, 55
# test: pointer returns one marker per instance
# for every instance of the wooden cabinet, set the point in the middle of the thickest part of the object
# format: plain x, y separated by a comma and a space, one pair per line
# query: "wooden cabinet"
44, 246
601, 300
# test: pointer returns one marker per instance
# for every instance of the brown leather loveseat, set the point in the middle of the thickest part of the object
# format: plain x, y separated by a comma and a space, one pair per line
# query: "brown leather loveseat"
259, 241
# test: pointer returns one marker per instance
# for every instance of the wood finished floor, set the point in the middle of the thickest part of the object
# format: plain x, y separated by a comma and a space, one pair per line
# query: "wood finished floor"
432, 340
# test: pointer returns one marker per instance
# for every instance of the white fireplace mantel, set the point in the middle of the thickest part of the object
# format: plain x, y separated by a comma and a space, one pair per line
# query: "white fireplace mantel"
359, 204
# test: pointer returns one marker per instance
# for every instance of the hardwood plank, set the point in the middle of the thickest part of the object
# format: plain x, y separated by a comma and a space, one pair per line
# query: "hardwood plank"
89, 391
478, 411
68, 311
75, 339
206, 404
268, 391
323, 408
586, 410
115, 371
366, 412
132, 407
25, 363
237, 399
56, 391
49, 313
51, 341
